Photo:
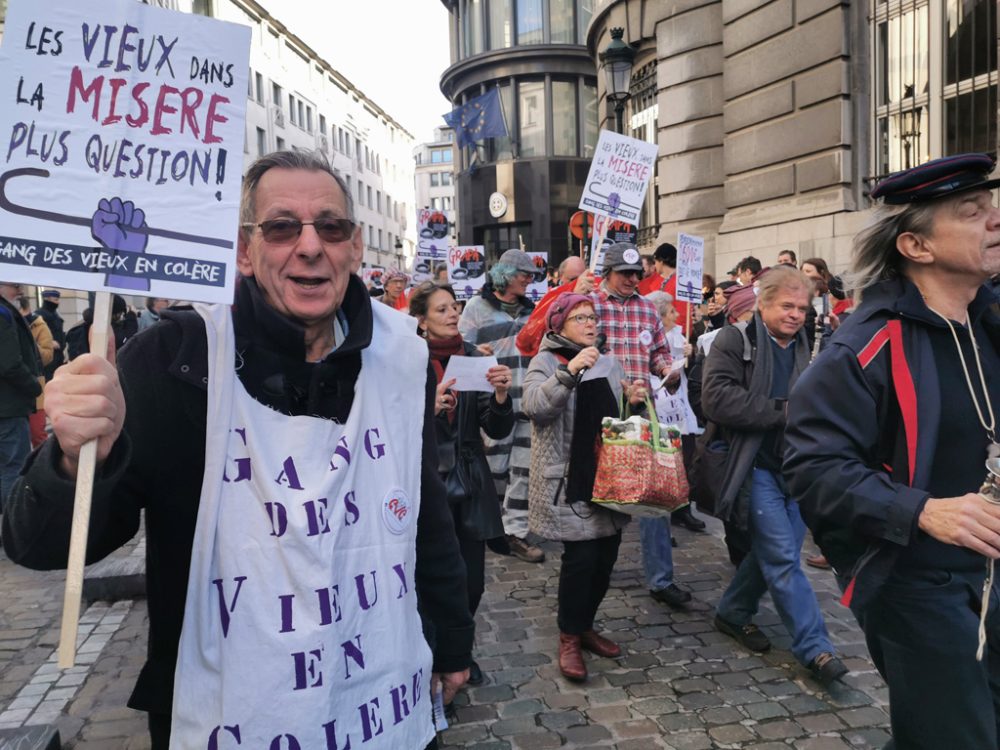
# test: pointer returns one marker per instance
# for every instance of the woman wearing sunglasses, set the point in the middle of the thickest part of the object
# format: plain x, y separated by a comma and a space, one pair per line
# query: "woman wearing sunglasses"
394, 284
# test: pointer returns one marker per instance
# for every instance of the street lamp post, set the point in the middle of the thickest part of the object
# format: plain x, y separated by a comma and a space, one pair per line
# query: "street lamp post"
617, 60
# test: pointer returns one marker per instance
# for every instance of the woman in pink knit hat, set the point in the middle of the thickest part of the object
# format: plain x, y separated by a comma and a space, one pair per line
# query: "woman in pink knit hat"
566, 408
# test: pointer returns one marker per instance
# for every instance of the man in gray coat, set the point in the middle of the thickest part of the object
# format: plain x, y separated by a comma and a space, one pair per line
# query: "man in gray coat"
748, 374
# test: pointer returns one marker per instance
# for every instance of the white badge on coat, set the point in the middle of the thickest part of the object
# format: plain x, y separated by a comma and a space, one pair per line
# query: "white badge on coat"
397, 511
645, 337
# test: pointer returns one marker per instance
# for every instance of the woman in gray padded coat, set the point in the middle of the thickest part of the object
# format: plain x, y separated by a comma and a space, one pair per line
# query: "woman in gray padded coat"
566, 413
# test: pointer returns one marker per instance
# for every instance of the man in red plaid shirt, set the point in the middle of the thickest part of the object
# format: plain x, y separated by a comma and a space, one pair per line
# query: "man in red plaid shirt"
634, 331
635, 336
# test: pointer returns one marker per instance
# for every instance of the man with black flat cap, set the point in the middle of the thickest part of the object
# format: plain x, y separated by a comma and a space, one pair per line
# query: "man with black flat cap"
888, 472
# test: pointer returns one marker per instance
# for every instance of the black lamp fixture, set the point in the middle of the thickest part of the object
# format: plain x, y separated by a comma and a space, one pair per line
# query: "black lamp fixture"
617, 60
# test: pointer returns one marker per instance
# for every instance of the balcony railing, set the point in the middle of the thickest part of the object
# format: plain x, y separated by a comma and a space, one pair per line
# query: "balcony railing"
646, 237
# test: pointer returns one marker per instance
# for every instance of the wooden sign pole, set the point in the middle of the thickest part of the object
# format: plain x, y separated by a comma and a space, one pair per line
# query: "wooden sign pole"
87, 465
599, 244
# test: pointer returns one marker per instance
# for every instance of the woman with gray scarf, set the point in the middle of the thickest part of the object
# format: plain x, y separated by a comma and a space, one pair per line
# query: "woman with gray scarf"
566, 412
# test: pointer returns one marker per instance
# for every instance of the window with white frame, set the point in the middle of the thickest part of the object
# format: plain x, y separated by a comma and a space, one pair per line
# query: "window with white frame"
934, 87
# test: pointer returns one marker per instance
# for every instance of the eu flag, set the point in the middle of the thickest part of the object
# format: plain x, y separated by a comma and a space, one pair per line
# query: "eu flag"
478, 118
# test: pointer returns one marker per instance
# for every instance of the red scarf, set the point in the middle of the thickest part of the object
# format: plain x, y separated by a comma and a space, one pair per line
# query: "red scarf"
441, 350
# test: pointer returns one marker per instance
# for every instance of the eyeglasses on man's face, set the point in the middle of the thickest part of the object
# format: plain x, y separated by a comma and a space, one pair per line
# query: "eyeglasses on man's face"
283, 231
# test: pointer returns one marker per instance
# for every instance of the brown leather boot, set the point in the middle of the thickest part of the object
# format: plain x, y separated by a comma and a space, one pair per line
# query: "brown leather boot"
598, 644
571, 658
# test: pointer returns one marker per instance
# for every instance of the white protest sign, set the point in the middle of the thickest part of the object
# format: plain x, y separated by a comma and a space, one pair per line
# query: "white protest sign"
690, 266
432, 247
467, 270
603, 367
608, 232
372, 276
469, 373
123, 135
539, 286
618, 178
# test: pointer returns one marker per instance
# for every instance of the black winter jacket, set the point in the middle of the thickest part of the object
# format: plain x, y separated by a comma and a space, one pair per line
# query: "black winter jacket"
19, 367
858, 462
54, 321
461, 439
158, 463
736, 395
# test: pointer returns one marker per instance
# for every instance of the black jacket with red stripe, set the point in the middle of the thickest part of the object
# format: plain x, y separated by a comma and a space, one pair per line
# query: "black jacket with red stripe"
863, 429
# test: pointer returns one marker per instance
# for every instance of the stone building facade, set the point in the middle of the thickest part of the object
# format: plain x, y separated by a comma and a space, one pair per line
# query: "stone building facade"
775, 116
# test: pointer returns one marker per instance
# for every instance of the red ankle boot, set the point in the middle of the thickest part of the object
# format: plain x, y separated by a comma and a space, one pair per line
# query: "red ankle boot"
571, 658
598, 644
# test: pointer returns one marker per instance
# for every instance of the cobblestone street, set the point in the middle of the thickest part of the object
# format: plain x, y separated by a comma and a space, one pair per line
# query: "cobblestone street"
681, 684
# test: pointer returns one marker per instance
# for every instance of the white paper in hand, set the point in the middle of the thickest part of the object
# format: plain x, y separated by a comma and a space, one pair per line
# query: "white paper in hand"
437, 708
676, 366
469, 373
601, 369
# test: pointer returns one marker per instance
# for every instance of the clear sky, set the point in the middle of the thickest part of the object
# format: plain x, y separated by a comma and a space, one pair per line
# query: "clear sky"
393, 50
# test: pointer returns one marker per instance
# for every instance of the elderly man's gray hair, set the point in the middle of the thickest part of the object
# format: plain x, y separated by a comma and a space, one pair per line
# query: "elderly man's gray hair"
662, 301
312, 161
875, 255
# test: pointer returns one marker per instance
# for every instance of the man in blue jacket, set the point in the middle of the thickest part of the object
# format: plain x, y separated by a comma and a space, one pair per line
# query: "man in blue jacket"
887, 438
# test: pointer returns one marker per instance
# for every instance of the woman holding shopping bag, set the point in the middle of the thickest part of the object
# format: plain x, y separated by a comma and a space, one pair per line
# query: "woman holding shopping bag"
566, 408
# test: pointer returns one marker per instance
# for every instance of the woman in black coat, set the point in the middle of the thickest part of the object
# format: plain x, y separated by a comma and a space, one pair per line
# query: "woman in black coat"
459, 418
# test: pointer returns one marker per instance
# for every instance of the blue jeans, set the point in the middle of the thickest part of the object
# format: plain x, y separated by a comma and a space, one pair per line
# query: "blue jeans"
776, 531
15, 445
657, 552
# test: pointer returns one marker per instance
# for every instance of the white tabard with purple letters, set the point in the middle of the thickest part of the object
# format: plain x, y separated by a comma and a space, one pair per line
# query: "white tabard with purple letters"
301, 629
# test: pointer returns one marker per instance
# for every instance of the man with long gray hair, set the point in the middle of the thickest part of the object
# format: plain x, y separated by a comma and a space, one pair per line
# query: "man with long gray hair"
888, 434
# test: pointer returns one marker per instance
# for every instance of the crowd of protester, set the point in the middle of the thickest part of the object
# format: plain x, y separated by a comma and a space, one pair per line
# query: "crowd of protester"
795, 403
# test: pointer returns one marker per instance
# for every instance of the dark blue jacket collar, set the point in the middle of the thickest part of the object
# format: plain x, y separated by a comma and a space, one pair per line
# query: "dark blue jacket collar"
900, 297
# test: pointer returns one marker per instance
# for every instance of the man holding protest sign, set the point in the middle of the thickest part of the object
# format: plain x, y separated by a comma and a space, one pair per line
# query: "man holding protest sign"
304, 542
